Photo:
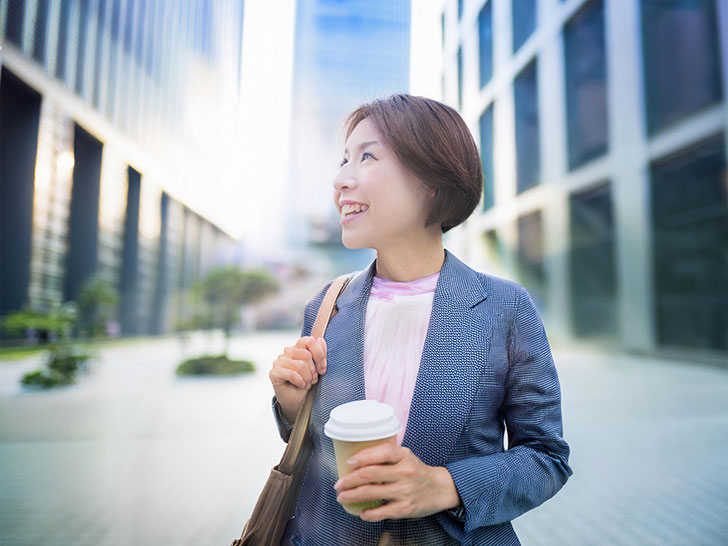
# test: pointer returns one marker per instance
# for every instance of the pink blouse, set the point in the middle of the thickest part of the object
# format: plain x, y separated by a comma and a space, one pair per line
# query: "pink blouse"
398, 314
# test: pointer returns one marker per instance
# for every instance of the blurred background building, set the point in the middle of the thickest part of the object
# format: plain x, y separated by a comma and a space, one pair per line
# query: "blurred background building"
345, 53
602, 126
119, 127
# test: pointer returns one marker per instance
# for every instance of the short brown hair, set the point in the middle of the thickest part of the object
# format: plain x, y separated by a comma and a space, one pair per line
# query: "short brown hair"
433, 143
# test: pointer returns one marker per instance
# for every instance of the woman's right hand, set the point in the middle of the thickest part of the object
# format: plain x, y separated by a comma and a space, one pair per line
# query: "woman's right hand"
294, 371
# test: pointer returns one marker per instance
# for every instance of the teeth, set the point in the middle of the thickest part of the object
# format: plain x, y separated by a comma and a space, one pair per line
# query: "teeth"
351, 209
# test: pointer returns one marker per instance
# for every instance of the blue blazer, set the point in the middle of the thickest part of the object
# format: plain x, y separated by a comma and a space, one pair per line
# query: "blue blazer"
486, 368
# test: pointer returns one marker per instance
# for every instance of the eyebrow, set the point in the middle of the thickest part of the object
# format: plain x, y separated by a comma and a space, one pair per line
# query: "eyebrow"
364, 144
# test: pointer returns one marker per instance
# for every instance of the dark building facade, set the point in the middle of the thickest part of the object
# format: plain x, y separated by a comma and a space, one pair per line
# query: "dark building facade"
93, 97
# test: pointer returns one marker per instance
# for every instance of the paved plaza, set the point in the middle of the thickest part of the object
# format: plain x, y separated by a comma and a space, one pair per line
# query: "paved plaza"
133, 455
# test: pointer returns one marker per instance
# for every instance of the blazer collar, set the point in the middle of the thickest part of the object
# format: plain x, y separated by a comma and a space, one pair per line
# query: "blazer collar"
456, 280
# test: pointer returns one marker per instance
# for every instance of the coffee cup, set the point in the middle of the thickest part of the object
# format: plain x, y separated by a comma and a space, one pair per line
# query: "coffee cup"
355, 426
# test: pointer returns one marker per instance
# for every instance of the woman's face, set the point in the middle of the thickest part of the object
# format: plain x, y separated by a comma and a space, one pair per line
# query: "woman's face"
394, 202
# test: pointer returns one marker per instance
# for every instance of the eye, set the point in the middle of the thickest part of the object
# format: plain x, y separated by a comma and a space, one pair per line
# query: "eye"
343, 162
366, 154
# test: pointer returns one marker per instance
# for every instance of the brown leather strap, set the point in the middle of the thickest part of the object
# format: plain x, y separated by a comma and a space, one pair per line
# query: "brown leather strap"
300, 427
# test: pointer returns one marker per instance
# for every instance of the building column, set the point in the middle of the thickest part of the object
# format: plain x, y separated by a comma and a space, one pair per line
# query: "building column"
630, 182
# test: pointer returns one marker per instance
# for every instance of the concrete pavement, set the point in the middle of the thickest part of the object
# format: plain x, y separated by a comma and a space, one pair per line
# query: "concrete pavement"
132, 455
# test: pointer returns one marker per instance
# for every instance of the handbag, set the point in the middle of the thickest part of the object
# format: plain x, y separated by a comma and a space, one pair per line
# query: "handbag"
277, 501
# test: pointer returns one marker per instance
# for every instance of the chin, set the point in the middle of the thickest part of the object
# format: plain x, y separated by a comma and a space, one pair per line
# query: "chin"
352, 243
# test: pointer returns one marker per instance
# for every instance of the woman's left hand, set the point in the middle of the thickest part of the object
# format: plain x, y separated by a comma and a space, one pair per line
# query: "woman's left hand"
411, 488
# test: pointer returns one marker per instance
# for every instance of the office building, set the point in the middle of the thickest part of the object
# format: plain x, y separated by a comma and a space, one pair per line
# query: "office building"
115, 115
602, 129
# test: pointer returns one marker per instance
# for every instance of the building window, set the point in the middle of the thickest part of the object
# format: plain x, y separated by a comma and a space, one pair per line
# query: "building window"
586, 84
14, 22
592, 263
128, 25
681, 59
99, 53
40, 34
528, 160
531, 270
61, 50
690, 247
486, 156
524, 21
460, 77
83, 31
141, 15
485, 41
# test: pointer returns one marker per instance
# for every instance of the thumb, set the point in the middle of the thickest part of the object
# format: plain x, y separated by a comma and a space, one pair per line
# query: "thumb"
322, 341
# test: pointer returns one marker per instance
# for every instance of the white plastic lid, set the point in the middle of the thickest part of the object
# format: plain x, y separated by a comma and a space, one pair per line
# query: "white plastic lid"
361, 421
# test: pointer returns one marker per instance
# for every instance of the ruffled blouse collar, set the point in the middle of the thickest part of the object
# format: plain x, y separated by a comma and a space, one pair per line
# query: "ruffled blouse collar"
386, 289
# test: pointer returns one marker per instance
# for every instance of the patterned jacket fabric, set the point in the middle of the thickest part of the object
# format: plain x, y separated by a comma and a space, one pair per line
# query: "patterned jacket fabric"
486, 367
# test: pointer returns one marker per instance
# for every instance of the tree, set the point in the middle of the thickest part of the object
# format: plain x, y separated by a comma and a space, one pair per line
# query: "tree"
97, 302
228, 288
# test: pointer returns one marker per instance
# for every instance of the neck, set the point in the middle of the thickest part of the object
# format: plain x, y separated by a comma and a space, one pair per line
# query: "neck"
413, 261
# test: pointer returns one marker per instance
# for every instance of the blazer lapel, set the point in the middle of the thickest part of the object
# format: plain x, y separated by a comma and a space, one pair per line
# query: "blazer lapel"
344, 378
452, 359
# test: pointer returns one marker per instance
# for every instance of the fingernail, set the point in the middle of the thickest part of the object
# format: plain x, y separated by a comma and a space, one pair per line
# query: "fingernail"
337, 485
351, 462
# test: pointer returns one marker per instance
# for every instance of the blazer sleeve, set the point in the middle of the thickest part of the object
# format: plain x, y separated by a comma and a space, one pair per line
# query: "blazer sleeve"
500, 487
309, 316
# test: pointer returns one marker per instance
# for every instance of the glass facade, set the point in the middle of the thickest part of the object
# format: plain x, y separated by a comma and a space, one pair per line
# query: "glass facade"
690, 252
586, 84
19, 116
485, 43
616, 140
528, 154
593, 268
686, 33
76, 199
524, 21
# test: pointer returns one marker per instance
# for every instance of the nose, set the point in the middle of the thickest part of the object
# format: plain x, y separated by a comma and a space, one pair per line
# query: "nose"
344, 180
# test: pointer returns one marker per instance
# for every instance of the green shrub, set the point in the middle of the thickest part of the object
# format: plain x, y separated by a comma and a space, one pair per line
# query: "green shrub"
214, 365
64, 362
67, 359
46, 379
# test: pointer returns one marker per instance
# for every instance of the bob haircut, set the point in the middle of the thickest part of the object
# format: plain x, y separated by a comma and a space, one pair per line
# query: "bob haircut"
433, 143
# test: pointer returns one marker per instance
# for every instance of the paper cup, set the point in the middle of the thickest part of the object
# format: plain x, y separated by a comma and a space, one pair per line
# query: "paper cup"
355, 426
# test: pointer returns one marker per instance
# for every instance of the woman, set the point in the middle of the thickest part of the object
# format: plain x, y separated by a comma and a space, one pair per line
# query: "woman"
461, 355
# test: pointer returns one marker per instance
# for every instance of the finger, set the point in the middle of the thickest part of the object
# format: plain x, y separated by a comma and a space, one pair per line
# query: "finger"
391, 510
368, 493
379, 454
319, 355
302, 341
299, 366
282, 374
372, 474
296, 353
